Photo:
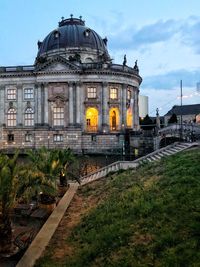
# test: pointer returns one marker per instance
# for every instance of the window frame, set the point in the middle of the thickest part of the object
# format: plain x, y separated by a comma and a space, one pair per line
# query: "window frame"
91, 92
58, 138
28, 93
29, 117
11, 117
58, 116
28, 138
113, 93
10, 137
12, 93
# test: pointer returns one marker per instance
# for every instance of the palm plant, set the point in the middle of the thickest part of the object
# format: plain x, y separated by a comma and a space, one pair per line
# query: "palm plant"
9, 184
46, 164
67, 166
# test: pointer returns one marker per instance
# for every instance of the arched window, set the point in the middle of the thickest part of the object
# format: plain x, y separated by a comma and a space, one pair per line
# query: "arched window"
11, 117
114, 119
58, 116
91, 119
29, 117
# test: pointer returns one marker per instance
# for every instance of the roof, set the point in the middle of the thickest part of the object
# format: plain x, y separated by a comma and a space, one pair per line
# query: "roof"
72, 33
184, 110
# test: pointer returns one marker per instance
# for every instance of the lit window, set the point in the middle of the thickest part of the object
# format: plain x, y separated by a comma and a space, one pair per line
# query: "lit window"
29, 117
113, 93
28, 137
114, 119
28, 93
92, 119
11, 117
58, 138
91, 92
129, 94
58, 116
11, 93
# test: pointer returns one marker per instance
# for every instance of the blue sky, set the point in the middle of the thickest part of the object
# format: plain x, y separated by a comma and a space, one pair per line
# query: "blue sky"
163, 35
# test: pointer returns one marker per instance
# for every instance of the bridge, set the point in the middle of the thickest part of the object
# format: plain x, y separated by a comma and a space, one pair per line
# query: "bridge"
185, 130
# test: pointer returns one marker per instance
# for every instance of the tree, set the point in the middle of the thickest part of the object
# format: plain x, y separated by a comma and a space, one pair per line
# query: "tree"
18, 182
173, 118
146, 123
8, 191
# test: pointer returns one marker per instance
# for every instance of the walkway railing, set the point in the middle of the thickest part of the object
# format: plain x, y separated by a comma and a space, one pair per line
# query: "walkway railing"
114, 167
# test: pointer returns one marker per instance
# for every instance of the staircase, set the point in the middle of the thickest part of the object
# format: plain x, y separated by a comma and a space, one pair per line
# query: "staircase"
124, 165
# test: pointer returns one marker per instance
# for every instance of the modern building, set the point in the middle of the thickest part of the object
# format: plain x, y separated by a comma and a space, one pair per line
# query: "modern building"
72, 96
189, 113
143, 105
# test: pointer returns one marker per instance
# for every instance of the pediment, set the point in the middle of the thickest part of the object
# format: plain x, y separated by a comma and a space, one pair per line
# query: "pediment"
56, 64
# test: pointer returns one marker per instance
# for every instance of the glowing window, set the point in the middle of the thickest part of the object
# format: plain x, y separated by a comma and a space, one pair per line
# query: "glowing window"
92, 119
11, 117
113, 93
58, 116
129, 117
91, 92
11, 93
114, 119
129, 94
29, 117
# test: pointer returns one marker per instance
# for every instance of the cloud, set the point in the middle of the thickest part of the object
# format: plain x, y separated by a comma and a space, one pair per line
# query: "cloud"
190, 32
131, 37
172, 79
187, 31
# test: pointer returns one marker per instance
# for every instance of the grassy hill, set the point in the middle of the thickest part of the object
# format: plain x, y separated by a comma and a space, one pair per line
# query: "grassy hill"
148, 217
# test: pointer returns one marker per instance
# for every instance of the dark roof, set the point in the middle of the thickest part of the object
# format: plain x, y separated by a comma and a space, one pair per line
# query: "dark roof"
72, 33
184, 110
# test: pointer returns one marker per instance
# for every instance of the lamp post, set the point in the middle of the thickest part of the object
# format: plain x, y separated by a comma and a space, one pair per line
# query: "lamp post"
48, 141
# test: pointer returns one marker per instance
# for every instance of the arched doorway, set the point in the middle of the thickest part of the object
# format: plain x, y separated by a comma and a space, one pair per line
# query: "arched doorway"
114, 119
91, 120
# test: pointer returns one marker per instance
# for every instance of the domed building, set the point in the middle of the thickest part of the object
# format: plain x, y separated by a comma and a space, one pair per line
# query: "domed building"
73, 96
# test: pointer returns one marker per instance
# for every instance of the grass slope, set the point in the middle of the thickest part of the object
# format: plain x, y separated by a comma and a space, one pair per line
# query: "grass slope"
149, 217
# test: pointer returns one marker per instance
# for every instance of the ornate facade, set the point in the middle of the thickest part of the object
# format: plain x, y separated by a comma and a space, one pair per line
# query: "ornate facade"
73, 96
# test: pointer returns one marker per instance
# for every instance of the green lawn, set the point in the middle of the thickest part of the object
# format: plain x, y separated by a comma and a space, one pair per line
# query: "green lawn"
148, 217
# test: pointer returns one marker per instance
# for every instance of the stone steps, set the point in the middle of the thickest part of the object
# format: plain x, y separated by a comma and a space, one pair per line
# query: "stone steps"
154, 156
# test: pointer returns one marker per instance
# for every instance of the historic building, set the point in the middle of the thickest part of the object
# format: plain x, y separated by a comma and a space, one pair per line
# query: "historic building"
73, 96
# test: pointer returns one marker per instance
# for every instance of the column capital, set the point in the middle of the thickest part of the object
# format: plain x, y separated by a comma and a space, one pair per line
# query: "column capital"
124, 85
78, 83
71, 84
105, 84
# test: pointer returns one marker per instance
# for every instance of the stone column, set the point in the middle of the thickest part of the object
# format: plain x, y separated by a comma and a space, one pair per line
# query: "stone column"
20, 107
42, 103
78, 103
36, 102
123, 111
136, 109
2, 105
46, 105
104, 106
71, 111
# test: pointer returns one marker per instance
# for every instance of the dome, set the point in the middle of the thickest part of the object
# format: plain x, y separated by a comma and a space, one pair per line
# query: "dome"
72, 34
